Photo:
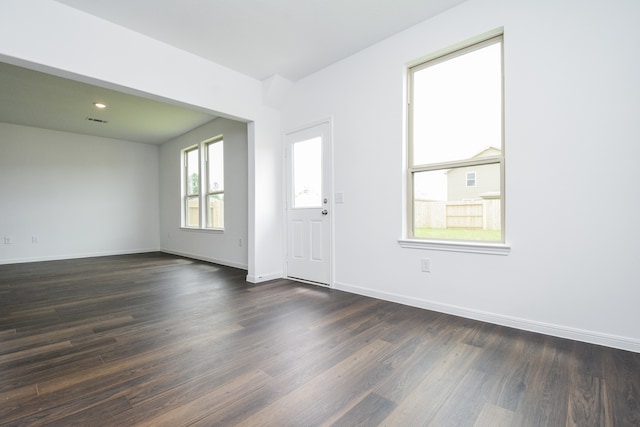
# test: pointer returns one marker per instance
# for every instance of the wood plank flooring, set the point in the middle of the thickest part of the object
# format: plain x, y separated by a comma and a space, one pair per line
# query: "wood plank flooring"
159, 340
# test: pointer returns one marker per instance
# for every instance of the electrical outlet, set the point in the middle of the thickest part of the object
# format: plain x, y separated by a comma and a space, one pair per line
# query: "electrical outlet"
34, 239
240, 242
8, 240
426, 265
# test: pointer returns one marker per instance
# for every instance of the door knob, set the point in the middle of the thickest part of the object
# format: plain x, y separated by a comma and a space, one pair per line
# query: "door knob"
324, 211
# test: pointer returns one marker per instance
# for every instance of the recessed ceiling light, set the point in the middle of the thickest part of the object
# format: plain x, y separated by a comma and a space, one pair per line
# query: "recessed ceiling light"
100, 105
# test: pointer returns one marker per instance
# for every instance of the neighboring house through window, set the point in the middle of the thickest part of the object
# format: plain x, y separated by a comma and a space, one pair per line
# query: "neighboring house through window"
203, 194
456, 155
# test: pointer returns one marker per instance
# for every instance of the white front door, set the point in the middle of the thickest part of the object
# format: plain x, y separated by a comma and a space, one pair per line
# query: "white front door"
308, 204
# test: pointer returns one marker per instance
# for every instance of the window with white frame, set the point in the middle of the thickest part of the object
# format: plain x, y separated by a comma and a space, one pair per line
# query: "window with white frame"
215, 184
203, 193
191, 187
456, 145
471, 179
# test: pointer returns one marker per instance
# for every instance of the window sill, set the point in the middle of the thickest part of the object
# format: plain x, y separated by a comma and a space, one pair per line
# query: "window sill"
206, 230
470, 247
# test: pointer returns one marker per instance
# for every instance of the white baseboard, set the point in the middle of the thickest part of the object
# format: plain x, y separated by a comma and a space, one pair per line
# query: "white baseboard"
206, 259
76, 256
623, 343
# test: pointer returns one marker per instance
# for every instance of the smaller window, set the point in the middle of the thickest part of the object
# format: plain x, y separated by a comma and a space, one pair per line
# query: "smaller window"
191, 199
203, 193
471, 179
215, 184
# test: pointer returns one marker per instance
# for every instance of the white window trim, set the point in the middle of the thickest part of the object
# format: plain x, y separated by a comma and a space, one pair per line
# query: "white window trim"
205, 149
454, 246
481, 247
203, 230
201, 147
185, 186
475, 179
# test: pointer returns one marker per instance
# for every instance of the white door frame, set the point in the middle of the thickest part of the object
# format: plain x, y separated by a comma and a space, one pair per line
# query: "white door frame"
327, 169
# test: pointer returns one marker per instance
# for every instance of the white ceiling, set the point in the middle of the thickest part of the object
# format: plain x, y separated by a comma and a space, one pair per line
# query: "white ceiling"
259, 38
36, 99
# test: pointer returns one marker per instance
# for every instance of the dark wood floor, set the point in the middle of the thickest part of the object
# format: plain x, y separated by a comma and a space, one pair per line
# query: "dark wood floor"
154, 339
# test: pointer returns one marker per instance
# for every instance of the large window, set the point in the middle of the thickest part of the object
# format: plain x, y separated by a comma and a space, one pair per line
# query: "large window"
203, 194
456, 149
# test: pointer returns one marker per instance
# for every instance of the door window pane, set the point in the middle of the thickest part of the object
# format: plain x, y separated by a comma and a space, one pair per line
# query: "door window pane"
307, 173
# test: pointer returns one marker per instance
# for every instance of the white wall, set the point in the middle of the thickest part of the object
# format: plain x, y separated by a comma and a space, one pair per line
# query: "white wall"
572, 100
78, 195
51, 37
220, 247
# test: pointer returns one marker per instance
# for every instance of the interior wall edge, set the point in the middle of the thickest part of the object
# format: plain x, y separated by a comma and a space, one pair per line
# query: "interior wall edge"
263, 277
241, 266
